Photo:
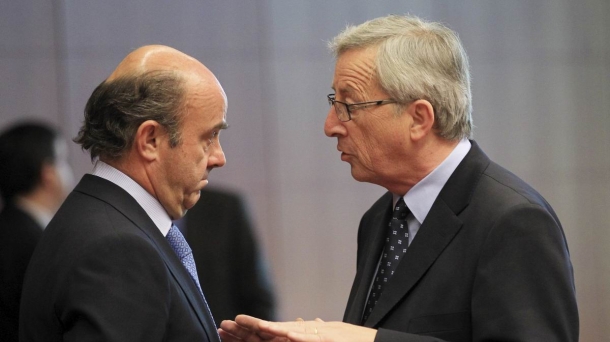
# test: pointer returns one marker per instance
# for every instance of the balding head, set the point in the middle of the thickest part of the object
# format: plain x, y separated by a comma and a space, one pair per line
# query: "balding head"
149, 84
157, 118
152, 58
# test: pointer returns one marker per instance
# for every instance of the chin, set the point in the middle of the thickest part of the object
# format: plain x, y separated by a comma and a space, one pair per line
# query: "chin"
191, 200
361, 176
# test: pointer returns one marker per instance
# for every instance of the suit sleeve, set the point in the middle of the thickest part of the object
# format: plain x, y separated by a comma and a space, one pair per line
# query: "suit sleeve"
523, 289
118, 291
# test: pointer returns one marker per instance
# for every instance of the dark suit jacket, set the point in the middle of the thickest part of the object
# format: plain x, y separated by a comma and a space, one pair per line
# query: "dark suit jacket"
489, 263
19, 234
103, 271
230, 268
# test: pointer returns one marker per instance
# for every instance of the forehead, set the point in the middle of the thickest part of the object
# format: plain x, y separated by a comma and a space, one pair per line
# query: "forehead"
205, 110
205, 95
355, 72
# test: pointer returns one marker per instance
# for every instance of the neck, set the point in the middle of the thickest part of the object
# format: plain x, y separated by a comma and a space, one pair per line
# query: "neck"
136, 172
428, 156
41, 199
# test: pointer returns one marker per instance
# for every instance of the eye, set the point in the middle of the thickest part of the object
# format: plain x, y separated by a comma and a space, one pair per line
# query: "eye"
210, 141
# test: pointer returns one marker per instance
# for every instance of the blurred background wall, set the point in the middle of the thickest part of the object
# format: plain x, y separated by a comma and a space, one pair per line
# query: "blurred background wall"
541, 88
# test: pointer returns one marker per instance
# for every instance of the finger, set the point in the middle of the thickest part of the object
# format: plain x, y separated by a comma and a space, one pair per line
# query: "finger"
253, 325
248, 322
283, 328
226, 337
275, 329
300, 337
319, 320
237, 332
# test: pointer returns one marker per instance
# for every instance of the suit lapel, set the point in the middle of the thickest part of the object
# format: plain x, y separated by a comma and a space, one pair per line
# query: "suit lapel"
435, 234
190, 289
437, 231
127, 205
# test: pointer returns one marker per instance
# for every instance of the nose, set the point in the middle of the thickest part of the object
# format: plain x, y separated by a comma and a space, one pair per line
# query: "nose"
217, 157
333, 127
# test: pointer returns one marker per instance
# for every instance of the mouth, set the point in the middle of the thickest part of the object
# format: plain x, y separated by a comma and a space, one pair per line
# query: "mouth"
202, 183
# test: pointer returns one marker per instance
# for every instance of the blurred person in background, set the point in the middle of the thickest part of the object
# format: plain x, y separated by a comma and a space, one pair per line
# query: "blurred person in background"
222, 235
35, 178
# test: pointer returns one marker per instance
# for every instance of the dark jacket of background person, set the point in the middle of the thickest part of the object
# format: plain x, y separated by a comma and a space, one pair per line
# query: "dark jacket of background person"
19, 234
34, 180
231, 269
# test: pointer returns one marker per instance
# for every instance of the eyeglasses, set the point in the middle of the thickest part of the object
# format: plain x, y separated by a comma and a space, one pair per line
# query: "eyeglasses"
344, 110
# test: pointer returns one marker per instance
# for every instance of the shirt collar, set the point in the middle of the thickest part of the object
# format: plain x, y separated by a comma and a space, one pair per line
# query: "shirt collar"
423, 194
151, 205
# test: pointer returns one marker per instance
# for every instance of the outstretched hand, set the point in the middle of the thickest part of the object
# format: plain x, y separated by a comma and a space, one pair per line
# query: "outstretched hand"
251, 329
246, 329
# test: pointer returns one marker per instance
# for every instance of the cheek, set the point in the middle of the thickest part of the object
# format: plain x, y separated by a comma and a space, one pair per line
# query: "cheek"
365, 144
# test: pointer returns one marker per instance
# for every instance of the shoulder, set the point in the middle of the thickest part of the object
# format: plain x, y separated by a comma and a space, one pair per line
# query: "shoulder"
504, 189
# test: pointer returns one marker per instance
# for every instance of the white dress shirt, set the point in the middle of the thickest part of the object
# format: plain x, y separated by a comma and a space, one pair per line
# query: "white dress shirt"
151, 205
422, 195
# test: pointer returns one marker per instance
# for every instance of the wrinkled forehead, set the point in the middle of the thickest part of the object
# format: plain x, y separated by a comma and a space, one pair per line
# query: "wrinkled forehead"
355, 71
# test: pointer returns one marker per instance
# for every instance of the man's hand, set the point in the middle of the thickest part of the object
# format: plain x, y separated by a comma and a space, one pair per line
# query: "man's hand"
246, 329
250, 329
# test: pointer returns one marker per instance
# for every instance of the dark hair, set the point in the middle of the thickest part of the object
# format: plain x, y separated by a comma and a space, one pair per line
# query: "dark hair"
117, 108
24, 148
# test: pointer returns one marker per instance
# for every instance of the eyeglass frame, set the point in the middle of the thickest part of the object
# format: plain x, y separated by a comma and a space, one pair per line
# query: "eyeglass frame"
332, 101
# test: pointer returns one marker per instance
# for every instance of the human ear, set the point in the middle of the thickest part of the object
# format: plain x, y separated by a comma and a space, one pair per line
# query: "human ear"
422, 113
148, 139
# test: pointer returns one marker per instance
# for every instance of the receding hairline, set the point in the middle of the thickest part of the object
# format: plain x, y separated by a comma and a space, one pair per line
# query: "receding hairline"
154, 57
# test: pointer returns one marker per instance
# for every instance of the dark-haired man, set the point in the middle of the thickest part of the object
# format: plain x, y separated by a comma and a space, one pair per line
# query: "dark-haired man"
113, 265
34, 179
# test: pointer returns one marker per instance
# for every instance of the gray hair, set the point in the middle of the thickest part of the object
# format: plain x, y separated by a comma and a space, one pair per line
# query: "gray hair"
118, 107
418, 60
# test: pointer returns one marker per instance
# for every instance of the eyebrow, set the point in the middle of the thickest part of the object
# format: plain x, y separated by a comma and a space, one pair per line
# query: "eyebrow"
222, 125
347, 90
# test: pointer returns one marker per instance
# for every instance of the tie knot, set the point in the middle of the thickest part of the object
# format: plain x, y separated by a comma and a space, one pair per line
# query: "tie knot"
178, 243
400, 210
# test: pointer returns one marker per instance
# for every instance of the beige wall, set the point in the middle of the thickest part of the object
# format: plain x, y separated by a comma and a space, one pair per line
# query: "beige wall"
541, 90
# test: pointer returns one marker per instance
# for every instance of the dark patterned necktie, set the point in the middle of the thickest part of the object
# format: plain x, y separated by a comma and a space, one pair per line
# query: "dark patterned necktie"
184, 252
395, 247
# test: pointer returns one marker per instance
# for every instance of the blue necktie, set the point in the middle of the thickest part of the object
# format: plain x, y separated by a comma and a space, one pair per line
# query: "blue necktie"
395, 247
184, 252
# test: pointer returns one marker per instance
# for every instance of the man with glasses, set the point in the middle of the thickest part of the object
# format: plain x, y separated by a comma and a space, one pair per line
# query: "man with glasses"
458, 249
